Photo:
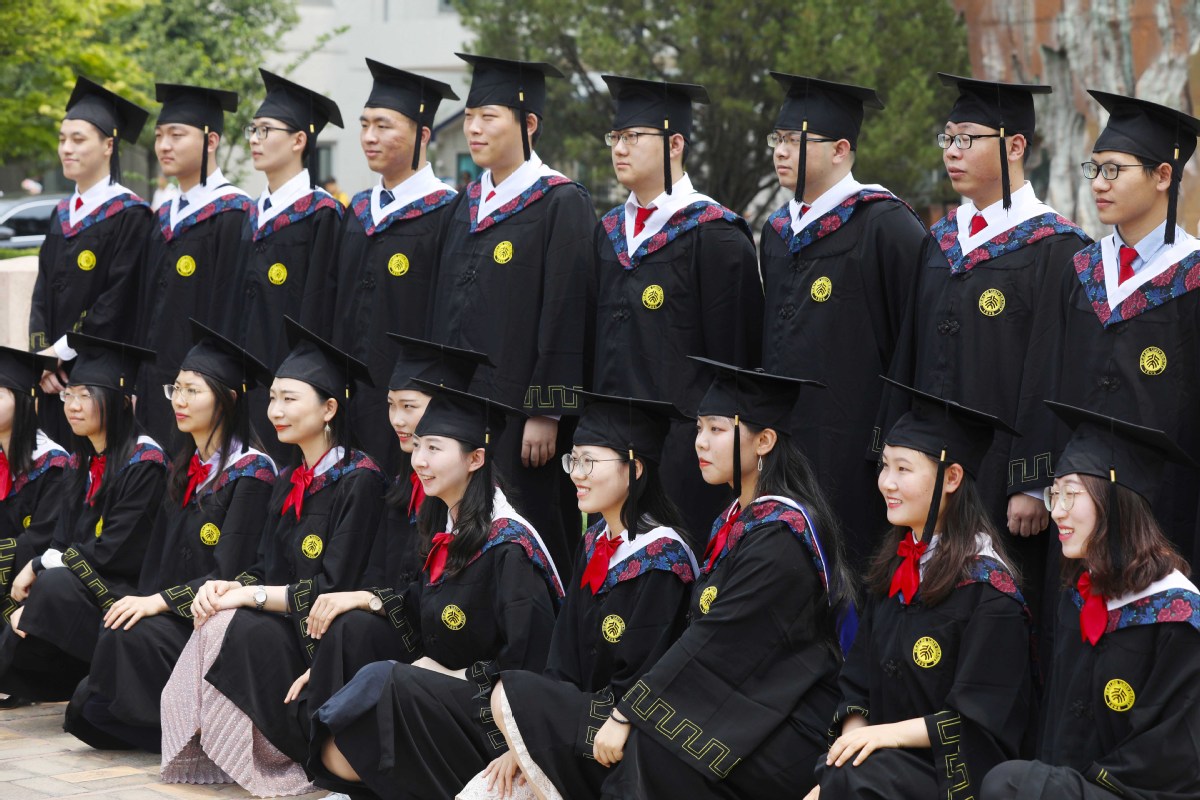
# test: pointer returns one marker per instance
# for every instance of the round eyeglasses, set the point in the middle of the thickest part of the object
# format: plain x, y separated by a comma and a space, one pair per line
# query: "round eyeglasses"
1110, 171
1051, 496
583, 463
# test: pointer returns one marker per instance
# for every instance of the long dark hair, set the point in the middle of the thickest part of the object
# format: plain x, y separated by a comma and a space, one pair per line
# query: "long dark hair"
649, 500
1146, 553
23, 440
231, 420
964, 517
400, 492
121, 431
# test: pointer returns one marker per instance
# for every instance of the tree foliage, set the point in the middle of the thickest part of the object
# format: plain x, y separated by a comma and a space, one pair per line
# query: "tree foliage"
895, 46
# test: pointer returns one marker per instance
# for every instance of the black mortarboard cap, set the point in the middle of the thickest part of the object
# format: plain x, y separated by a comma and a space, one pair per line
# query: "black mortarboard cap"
112, 114
625, 423
1007, 107
655, 104
302, 108
320, 364
505, 82
412, 95
21, 371
1156, 134
433, 363
103, 362
218, 358
473, 420
197, 106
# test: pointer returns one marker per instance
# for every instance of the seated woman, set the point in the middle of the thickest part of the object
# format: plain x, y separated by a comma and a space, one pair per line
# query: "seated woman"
742, 700
485, 602
938, 687
95, 555
1123, 706
223, 715
628, 609
208, 529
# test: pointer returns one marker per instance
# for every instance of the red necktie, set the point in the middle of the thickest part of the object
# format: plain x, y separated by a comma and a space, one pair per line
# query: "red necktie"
717, 543
435, 562
1093, 617
302, 476
78, 203
907, 577
597, 567
978, 223
640, 215
96, 472
197, 474
490, 195
804, 207
1126, 254
5, 477
417, 495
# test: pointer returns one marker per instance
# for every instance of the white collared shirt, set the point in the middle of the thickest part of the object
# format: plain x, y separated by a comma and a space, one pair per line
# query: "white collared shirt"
502, 509
983, 547
1025, 206
284, 196
665, 205
239, 452
201, 195
97, 195
829, 200
420, 184
1175, 580
640, 542
1161, 259
328, 460
511, 187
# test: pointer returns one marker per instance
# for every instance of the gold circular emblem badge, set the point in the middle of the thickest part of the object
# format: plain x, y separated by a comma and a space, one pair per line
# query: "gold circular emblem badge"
185, 266
612, 627
927, 652
99, 526
503, 252
86, 261
653, 296
277, 274
312, 545
211, 534
991, 302
454, 617
706, 598
1118, 695
27, 521
821, 289
1153, 361
398, 264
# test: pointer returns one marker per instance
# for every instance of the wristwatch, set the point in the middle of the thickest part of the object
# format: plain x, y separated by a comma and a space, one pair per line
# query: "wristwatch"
375, 604
260, 598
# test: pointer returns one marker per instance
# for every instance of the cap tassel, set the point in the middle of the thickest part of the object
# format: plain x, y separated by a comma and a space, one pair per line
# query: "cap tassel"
204, 159
114, 161
1173, 199
1005, 181
737, 454
524, 123
633, 511
667, 156
416, 159
802, 167
936, 501
1116, 545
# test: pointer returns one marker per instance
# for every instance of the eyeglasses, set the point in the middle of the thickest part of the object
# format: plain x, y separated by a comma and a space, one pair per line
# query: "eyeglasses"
775, 138
261, 131
81, 395
1051, 496
628, 138
1110, 171
585, 463
186, 393
962, 140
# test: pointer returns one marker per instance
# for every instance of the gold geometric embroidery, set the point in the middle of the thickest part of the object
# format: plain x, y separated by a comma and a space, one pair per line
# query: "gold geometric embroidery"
8, 552
1105, 780
181, 598
949, 731
689, 729
551, 397
1018, 471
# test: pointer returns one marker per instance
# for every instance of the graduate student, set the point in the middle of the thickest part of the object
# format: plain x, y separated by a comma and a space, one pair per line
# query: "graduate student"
514, 280
1118, 331
675, 276
112, 494
208, 528
88, 266
753, 678
1126, 667
940, 672
191, 258
484, 602
387, 251
838, 253
223, 712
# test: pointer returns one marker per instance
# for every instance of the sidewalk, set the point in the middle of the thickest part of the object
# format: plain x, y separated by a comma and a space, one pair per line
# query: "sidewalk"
37, 759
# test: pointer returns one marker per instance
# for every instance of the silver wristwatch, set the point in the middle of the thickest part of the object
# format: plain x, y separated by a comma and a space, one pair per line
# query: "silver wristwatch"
260, 598
375, 604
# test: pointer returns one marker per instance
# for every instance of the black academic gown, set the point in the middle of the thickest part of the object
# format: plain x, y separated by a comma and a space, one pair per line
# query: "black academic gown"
385, 275
518, 286
215, 536
738, 707
414, 733
602, 644
88, 282
836, 297
187, 273
695, 294
28, 517
963, 666
1121, 717
103, 547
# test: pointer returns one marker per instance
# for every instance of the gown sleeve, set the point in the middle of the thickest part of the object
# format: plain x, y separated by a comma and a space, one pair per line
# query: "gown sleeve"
109, 317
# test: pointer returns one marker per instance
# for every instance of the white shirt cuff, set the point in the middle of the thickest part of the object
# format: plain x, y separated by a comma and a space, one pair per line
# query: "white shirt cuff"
52, 558
63, 350
1036, 494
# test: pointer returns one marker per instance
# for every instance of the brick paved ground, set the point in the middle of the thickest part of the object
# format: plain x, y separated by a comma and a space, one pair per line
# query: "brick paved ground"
37, 759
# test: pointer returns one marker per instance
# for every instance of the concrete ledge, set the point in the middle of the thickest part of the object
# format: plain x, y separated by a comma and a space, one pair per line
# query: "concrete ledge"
17, 276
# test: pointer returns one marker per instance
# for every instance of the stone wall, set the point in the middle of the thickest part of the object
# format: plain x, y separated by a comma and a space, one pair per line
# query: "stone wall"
17, 276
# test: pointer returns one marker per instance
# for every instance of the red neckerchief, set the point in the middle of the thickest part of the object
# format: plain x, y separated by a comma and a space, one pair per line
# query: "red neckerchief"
5, 477
417, 495
907, 577
198, 473
1093, 617
717, 543
96, 471
597, 566
302, 476
435, 562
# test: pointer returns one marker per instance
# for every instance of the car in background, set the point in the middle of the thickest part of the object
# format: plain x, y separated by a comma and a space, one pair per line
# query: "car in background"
25, 220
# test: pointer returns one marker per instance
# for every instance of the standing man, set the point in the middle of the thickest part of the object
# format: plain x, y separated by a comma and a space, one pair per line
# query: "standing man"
514, 280
88, 266
839, 261
192, 253
676, 277
389, 243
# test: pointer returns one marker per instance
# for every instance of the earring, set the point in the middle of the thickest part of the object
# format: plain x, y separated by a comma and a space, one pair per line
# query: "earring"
760, 463
329, 434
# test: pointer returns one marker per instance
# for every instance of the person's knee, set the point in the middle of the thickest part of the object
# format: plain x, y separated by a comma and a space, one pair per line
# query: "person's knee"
1001, 782
336, 763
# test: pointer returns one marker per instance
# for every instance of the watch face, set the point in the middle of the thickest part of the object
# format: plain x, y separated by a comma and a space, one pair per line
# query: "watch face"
375, 604
260, 596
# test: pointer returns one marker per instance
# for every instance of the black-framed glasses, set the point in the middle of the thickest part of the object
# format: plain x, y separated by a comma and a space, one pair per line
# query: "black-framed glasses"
261, 131
628, 138
1110, 171
1051, 496
584, 463
962, 140
775, 138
